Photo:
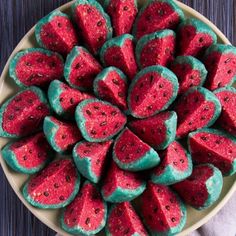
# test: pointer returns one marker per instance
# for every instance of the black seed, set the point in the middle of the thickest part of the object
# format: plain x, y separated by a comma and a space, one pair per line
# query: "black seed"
98, 161
24, 158
196, 99
11, 117
123, 148
190, 123
87, 221
17, 99
167, 207
228, 60
68, 179
172, 200
86, 151
30, 151
204, 138
158, 190
46, 194
136, 98
149, 107
56, 185
72, 101
97, 210
74, 220
103, 123
30, 101
138, 150
77, 66
160, 85
206, 108
113, 113
52, 64
226, 99
31, 117
218, 141
173, 219
125, 8
28, 64
209, 154
126, 231
116, 82
39, 108
117, 125
88, 112
219, 85
61, 99
161, 12
59, 24
33, 185
99, 23
96, 107
93, 132
103, 113
127, 157
120, 94
61, 198
203, 118
79, 78
161, 222
230, 151
182, 160
40, 60
63, 136
155, 210
141, 85
229, 71
201, 40
164, 94
104, 133
175, 163
100, 39
89, 10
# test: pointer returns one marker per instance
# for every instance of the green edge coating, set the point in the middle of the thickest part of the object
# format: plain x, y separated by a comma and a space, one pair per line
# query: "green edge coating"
80, 120
17, 57
114, 42
42, 98
52, 206
216, 132
171, 3
79, 230
143, 41
107, 2
225, 89
165, 73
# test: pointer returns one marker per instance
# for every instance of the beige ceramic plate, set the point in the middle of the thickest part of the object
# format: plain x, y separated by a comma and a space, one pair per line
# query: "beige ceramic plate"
50, 217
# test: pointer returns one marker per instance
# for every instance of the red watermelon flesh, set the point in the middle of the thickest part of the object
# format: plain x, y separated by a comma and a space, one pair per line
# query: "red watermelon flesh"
123, 220
59, 35
122, 14
54, 184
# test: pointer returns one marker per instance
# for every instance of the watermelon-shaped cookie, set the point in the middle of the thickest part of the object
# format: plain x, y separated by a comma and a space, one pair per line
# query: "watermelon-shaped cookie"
123, 220
93, 23
158, 131
152, 90
190, 72
157, 15
36, 66
202, 188
111, 85
131, 153
214, 147
157, 48
23, 113
195, 109
61, 135
90, 159
227, 98
163, 212
119, 52
220, 60
98, 120
28, 155
56, 32
120, 185
176, 165
81, 69
64, 99
194, 37
122, 14
86, 215
54, 187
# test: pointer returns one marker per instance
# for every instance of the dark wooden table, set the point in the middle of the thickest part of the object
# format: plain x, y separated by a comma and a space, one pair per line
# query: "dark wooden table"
16, 18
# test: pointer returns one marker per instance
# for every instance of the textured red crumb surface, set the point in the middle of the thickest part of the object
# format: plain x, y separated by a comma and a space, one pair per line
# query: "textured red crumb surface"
24, 114
32, 151
158, 52
84, 70
221, 69
54, 184
97, 152
92, 25
187, 76
102, 120
193, 112
87, 210
59, 35
160, 208
117, 177
157, 16
129, 148
39, 69
122, 14
114, 89
212, 148
150, 93
192, 42
122, 58
123, 220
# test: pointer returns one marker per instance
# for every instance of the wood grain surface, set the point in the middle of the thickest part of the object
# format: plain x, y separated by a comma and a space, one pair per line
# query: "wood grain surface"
16, 18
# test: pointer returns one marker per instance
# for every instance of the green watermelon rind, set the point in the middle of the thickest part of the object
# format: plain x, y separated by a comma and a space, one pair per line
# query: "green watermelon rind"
173, 5
80, 230
163, 71
42, 97
17, 57
142, 42
217, 132
80, 120
107, 2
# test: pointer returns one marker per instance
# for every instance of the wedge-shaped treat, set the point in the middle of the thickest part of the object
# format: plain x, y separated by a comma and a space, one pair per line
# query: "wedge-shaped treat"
158, 131
214, 147
202, 188
132, 154
157, 48
62, 136
195, 109
120, 185
163, 212
93, 23
99, 121
56, 33
90, 159
54, 187
23, 114
86, 215
81, 68
119, 52
152, 90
